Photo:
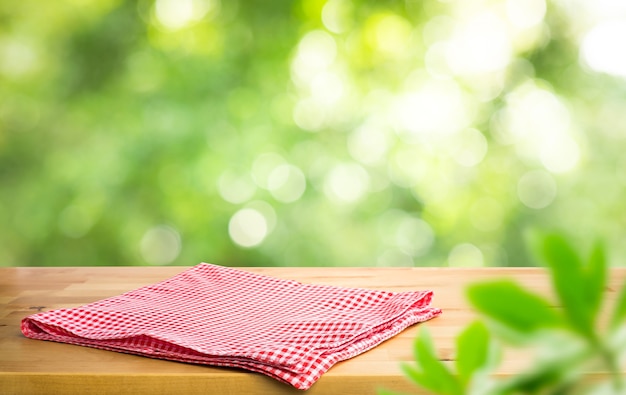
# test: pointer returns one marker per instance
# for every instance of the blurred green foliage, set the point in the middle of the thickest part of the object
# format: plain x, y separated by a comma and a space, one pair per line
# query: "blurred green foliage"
570, 346
307, 132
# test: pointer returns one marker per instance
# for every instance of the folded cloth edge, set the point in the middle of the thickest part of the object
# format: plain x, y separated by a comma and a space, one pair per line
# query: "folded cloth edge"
32, 328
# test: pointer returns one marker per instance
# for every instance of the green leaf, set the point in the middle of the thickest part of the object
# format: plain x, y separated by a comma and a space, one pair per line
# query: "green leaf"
513, 306
472, 351
619, 314
548, 376
569, 281
532, 382
596, 274
430, 372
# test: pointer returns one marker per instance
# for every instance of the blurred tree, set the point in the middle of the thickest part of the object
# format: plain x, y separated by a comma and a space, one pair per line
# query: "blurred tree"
307, 132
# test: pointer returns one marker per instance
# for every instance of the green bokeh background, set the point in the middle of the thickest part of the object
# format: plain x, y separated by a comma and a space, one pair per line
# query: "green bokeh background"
309, 132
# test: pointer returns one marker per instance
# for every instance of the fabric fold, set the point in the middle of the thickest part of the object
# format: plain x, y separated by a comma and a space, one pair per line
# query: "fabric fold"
220, 316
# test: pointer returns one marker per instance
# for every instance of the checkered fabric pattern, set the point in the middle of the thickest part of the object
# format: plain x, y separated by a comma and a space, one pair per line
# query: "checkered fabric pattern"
222, 316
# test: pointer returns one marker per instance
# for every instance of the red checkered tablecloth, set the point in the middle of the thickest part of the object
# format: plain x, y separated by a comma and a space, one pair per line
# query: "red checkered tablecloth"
222, 316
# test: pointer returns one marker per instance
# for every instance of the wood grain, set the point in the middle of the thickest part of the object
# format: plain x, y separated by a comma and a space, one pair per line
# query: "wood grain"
36, 367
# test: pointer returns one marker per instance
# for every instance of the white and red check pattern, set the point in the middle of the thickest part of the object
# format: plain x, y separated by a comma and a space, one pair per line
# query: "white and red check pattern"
221, 316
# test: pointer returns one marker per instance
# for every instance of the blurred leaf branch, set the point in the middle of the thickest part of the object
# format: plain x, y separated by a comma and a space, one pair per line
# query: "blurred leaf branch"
410, 133
567, 343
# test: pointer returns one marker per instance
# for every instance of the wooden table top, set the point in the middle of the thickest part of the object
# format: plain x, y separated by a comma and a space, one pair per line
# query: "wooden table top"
33, 366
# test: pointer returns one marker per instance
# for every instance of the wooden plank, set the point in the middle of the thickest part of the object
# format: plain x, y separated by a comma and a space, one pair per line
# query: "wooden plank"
30, 366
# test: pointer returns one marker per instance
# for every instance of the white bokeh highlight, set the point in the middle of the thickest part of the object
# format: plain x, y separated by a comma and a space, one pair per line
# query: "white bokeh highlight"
248, 227
160, 245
